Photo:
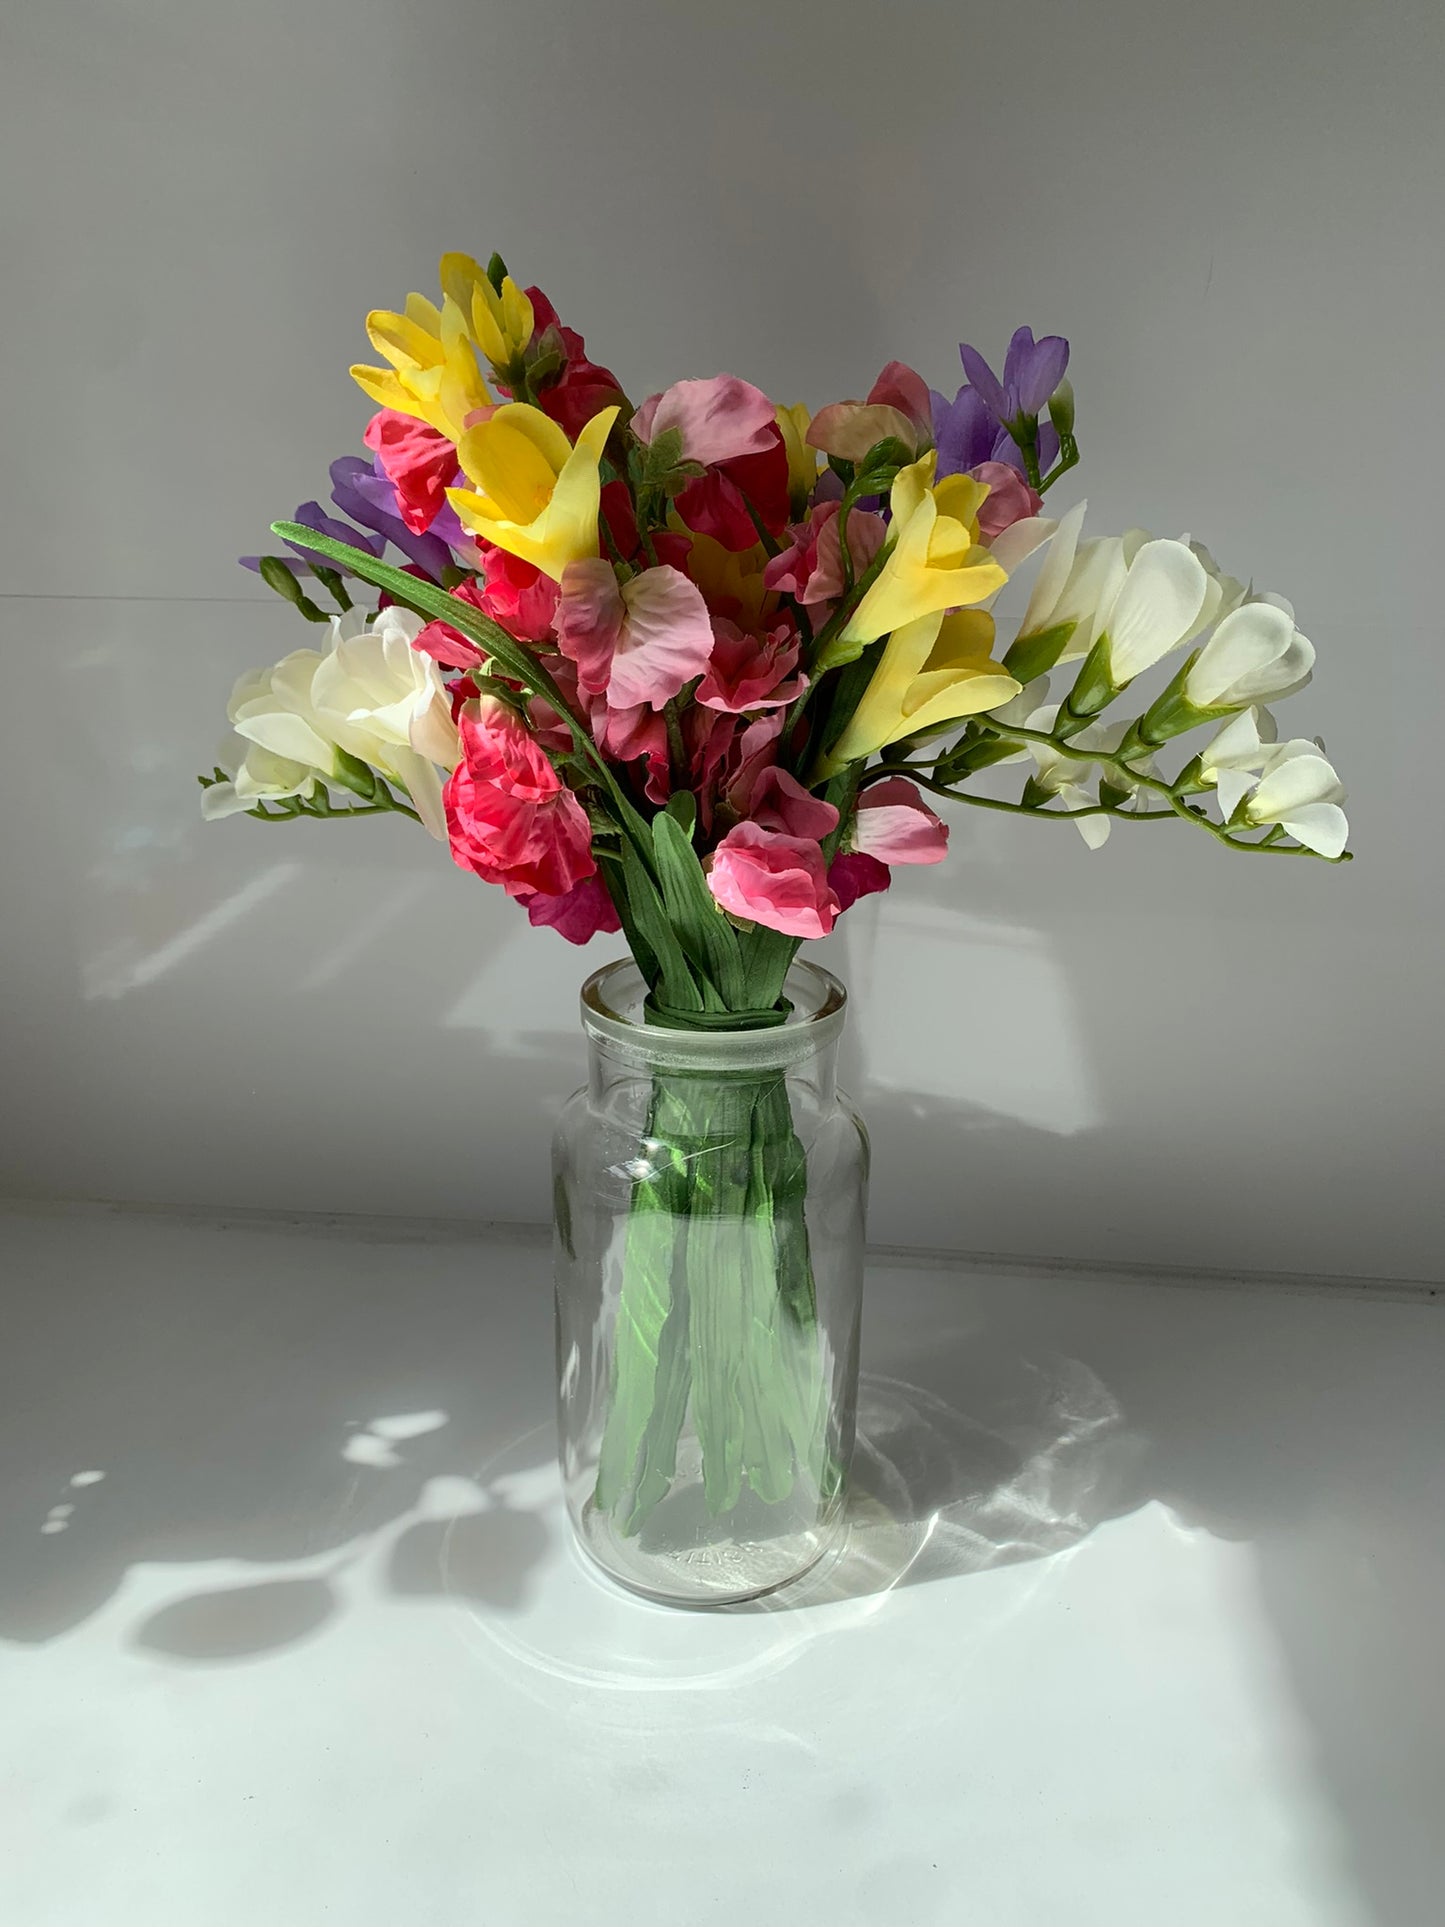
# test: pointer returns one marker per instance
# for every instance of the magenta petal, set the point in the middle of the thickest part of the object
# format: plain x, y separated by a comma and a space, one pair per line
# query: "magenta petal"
579, 914
589, 620
852, 875
666, 638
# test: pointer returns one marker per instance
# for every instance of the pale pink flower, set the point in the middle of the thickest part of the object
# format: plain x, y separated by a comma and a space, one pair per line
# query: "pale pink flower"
895, 825
719, 419
636, 643
1009, 499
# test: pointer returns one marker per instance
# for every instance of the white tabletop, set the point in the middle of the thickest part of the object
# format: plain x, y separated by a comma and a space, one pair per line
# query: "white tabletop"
1137, 1626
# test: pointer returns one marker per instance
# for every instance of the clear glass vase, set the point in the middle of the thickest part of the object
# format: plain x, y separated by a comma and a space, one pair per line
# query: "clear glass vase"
709, 1191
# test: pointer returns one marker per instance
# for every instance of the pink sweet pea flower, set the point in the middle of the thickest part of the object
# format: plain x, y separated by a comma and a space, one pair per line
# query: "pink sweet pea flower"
899, 404
778, 881
895, 825
852, 875
637, 643
418, 461
579, 914
509, 817
718, 419
811, 569
1009, 499
632, 735
751, 672
779, 802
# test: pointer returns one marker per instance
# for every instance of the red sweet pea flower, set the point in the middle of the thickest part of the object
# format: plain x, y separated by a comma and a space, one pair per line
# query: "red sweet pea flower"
582, 389
418, 461
509, 817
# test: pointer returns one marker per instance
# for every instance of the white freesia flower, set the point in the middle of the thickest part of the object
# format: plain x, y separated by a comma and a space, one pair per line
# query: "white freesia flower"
1243, 746
257, 775
273, 708
1300, 791
1165, 593
1077, 584
1255, 654
385, 702
1223, 593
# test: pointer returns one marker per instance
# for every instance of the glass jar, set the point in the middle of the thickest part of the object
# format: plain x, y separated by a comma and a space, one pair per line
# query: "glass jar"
709, 1192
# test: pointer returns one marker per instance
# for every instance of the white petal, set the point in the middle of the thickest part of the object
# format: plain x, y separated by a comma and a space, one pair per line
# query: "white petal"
1293, 781
424, 787
1096, 579
1054, 573
1234, 785
1094, 830
1319, 826
1161, 597
220, 799
1013, 547
1245, 742
1246, 644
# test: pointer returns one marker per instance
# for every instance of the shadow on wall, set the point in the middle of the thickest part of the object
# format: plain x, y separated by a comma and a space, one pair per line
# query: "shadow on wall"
284, 1410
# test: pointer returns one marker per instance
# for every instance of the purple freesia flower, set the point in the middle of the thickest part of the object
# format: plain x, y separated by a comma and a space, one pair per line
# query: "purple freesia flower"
368, 496
967, 434
1032, 370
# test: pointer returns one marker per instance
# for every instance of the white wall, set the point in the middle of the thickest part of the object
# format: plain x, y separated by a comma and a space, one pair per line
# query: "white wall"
1158, 1053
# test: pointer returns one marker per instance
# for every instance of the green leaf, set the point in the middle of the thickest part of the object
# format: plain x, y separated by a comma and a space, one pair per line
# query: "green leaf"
676, 982
682, 808
496, 272
704, 932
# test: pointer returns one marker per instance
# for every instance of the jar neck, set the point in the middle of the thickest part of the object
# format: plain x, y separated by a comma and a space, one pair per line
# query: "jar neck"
609, 1068
625, 1047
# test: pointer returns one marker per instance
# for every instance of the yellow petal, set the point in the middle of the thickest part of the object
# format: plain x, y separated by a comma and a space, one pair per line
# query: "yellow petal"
382, 386
403, 343
550, 441
961, 497
459, 275
422, 313
509, 468
879, 715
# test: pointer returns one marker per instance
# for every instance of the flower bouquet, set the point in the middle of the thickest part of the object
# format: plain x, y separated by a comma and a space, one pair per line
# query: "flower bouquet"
692, 670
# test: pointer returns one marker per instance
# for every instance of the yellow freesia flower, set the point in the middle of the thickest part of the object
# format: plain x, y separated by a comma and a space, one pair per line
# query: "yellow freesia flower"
501, 324
935, 561
802, 460
434, 374
535, 495
732, 581
933, 672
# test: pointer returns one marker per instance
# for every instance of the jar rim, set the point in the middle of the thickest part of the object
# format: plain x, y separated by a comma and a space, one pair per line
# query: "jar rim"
612, 1000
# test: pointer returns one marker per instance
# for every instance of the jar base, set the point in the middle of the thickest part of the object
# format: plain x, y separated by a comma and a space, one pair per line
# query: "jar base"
719, 1572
